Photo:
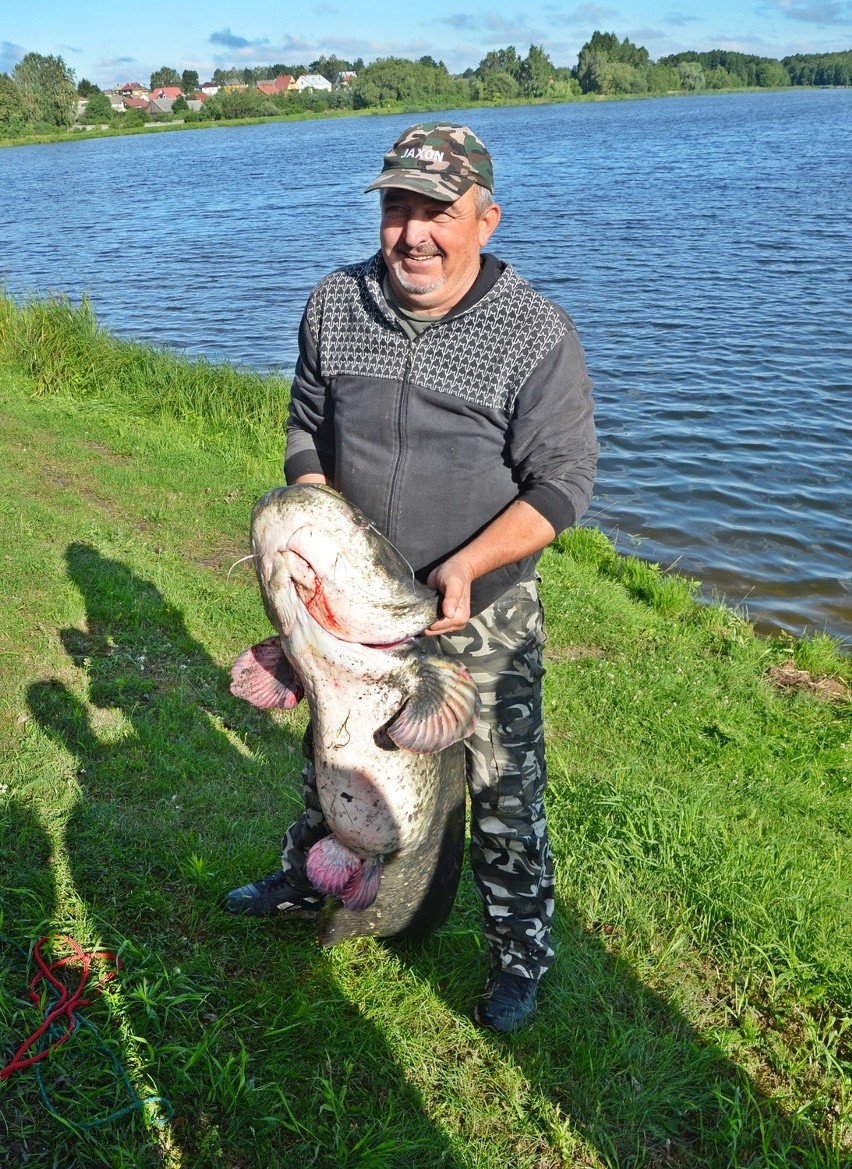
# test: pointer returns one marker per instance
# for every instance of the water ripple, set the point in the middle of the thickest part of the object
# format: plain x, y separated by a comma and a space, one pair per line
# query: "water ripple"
702, 246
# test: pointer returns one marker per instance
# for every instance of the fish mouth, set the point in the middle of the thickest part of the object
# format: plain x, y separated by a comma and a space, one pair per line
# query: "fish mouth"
387, 645
309, 587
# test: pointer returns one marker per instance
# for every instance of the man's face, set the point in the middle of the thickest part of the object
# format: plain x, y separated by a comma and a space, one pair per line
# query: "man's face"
432, 248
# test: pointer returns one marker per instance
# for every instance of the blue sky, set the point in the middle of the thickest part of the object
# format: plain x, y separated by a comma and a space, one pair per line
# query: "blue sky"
109, 42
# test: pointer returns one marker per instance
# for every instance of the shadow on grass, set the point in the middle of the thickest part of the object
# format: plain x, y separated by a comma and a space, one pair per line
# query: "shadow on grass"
27, 899
242, 1024
84, 1081
262, 1055
625, 1067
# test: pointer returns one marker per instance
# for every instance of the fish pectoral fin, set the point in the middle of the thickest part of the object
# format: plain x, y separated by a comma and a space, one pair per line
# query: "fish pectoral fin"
337, 871
263, 676
330, 866
363, 887
444, 708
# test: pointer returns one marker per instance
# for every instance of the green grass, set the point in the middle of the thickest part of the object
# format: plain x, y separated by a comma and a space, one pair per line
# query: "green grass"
64, 352
698, 1012
117, 130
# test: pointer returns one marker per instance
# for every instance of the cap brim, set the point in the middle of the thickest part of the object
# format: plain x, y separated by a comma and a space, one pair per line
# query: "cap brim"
421, 184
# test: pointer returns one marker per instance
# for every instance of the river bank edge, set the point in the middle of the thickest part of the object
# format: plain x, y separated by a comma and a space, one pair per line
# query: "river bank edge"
67, 354
80, 134
698, 804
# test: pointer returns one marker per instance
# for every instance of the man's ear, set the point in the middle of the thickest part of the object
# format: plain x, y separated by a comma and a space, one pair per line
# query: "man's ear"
488, 224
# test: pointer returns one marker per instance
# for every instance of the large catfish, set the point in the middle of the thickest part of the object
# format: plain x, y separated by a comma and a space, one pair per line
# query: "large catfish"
389, 711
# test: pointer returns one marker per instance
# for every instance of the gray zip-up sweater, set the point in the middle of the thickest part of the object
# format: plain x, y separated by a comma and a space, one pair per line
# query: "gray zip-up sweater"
433, 438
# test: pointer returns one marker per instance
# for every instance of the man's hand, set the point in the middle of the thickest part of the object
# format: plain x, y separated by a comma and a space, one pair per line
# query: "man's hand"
452, 580
518, 531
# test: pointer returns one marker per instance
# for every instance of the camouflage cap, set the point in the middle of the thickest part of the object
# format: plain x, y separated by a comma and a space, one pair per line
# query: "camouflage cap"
439, 159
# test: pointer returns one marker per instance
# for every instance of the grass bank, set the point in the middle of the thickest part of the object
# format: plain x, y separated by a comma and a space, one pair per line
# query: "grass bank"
77, 133
698, 1013
116, 130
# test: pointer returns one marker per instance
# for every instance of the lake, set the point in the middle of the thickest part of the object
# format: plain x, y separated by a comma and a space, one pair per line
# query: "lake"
703, 246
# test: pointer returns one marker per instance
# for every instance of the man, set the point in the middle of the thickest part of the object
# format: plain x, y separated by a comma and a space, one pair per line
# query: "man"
450, 401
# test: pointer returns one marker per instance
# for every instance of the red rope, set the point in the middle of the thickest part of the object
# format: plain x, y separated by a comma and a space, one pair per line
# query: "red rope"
67, 1002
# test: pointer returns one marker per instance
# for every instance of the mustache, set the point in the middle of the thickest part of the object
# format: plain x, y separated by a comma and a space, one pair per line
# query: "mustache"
418, 253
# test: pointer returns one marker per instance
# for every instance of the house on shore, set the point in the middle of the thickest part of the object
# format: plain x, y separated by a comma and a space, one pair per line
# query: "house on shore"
160, 105
165, 105
312, 81
280, 84
132, 89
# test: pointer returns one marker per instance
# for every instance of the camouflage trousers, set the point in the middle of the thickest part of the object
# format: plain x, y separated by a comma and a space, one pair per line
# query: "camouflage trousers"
506, 775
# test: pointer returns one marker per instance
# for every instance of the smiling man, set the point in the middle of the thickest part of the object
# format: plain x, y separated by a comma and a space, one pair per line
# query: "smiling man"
431, 249
450, 401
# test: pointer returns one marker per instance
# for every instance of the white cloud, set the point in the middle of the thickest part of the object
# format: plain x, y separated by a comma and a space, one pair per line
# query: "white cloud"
679, 19
10, 55
230, 40
585, 14
822, 12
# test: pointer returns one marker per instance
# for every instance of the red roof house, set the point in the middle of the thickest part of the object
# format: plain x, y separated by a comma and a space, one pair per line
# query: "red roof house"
280, 84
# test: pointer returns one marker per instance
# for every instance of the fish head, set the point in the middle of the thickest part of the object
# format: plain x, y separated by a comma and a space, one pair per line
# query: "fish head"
316, 553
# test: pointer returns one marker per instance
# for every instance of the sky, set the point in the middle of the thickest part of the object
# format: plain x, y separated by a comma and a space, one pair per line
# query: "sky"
109, 43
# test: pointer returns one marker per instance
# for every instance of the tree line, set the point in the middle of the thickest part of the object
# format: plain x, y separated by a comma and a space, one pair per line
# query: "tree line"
41, 93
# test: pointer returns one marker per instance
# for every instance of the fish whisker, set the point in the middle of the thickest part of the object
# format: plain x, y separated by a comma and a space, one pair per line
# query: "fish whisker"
382, 536
242, 560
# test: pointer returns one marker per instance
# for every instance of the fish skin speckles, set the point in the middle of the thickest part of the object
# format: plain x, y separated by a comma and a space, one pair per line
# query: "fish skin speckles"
388, 711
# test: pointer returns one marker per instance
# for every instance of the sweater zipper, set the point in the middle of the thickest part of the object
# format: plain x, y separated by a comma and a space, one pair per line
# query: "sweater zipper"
401, 411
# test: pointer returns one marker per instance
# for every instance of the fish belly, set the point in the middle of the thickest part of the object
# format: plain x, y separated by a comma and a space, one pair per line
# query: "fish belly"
421, 877
372, 793
379, 799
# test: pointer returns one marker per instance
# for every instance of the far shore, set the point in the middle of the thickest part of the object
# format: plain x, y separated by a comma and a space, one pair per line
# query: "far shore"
79, 133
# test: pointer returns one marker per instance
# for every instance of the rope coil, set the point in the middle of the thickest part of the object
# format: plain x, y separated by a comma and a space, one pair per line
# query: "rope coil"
62, 1019
65, 1003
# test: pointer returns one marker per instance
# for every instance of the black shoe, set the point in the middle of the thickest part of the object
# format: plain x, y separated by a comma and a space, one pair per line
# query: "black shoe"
509, 1004
271, 895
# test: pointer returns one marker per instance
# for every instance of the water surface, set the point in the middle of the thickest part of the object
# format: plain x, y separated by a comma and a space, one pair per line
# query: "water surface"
701, 244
